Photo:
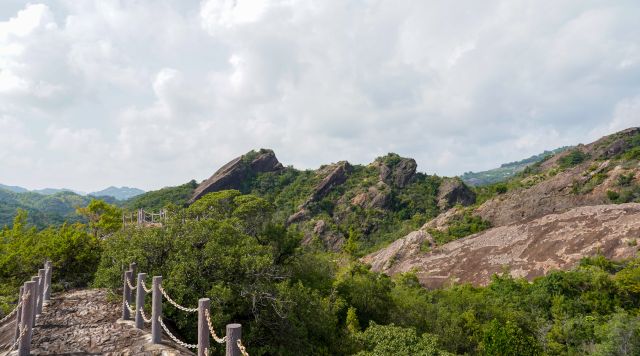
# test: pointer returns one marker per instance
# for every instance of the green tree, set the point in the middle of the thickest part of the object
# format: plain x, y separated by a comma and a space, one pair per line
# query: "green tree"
104, 219
508, 339
383, 340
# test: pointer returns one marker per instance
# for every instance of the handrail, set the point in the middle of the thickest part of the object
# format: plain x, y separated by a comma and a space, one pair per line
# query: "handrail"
234, 346
32, 297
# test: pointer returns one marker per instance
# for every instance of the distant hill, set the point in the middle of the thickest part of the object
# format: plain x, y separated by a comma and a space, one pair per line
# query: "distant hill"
506, 170
14, 188
43, 209
158, 199
51, 191
122, 193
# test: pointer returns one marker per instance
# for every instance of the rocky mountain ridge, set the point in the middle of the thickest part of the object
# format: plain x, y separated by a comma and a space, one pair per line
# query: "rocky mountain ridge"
559, 211
341, 201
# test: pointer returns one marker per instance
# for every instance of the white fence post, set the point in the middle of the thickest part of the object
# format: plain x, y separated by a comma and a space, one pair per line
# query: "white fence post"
41, 286
203, 326
234, 333
126, 296
47, 280
28, 314
140, 294
156, 312
19, 315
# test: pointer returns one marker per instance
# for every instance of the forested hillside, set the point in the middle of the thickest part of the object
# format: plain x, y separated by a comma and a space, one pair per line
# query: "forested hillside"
44, 210
506, 170
278, 250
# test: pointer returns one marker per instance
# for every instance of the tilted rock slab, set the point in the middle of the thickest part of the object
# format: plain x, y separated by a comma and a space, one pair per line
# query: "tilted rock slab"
232, 174
528, 250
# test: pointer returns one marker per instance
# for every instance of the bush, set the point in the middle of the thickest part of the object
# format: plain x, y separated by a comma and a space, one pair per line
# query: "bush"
625, 180
632, 154
612, 195
72, 251
572, 158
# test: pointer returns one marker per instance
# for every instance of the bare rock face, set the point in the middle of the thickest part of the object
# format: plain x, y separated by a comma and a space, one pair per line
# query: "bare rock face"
553, 195
337, 175
377, 196
398, 174
231, 175
331, 240
400, 250
453, 191
553, 192
528, 250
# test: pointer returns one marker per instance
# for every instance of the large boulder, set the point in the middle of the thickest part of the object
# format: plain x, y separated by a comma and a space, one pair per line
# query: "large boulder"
395, 170
232, 174
453, 191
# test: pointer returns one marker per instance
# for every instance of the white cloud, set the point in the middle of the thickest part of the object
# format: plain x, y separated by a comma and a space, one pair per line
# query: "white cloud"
159, 92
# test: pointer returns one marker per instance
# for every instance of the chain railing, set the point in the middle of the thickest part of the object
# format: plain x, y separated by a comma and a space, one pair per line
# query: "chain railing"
23, 331
14, 311
219, 340
143, 315
33, 295
174, 338
234, 345
243, 349
173, 302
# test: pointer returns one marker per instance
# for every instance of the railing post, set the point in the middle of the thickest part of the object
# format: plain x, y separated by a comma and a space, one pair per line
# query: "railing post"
36, 280
126, 296
234, 332
203, 326
156, 312
19, 315
28, 312
41, 281
140, 294
47, 280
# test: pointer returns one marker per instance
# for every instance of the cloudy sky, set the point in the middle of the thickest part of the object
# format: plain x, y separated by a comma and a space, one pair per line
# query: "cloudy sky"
150, 93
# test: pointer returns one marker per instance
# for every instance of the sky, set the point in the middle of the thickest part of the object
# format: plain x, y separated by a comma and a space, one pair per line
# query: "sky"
153, 93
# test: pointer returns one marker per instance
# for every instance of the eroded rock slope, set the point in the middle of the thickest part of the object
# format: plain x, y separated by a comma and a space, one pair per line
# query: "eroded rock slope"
529, 249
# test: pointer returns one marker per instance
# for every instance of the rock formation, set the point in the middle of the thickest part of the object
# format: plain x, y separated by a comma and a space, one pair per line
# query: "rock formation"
232, 174
453, 191
395, 170
335, 175
528, 250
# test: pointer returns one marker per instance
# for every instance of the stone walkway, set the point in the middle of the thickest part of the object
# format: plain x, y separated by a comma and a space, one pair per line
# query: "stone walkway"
83, 322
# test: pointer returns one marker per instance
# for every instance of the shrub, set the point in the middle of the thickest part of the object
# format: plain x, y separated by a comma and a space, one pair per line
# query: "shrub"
624, 180
632, 154
572, 158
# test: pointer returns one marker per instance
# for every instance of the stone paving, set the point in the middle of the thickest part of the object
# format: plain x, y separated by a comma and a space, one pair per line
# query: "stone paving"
84, 322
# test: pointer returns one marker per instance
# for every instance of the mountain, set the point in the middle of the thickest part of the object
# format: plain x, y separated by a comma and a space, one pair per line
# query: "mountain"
44, 210
340, 206
122, 193
547, 217
158, 199
51, 191
13, 188
506, 170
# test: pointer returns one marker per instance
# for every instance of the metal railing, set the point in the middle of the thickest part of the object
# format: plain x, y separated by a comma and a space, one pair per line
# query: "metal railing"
233, 341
